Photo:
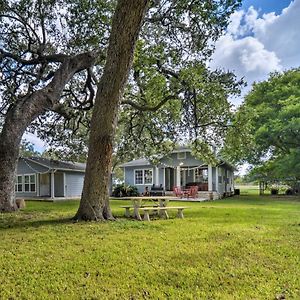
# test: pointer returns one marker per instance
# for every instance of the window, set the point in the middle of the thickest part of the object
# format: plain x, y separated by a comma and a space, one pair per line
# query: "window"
143, 176
138, 177
148, 176
181, 155
29, 183
19, 184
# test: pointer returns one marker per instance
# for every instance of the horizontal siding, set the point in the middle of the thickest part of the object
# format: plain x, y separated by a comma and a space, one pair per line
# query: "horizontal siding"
73, 184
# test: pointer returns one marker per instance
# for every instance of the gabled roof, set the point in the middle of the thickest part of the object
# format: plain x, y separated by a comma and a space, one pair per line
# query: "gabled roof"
52, 164
136, 162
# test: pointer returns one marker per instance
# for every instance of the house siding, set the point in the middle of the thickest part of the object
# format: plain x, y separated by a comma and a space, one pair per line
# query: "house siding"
73, 184
26, 168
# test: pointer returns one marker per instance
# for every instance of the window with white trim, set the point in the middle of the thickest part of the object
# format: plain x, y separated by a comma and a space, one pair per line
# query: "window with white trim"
143, 176
138, 177
29, 183
181, 155
19, 184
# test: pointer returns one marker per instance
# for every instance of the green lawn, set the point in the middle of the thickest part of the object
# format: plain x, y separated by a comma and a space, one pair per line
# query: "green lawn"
236, 248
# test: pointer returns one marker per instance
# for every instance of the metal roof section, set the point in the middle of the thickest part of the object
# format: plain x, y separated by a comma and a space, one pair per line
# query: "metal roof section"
52, 164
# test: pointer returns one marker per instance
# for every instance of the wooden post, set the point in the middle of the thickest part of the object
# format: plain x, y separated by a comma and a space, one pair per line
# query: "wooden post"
210, 181
178, 176
180, 213
52, 185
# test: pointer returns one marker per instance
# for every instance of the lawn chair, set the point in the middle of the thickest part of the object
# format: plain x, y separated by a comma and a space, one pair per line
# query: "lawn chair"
192, 192
177, 191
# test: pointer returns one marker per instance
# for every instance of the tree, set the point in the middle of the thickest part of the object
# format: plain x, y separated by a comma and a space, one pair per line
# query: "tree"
27, 149
34, 73
190, 86
269, 127
171, 91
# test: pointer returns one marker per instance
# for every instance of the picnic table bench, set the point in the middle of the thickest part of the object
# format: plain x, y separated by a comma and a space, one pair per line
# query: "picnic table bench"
128, 207
147, 209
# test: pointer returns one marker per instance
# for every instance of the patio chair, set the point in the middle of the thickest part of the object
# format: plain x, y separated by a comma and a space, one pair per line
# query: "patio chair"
177, 191
192, 192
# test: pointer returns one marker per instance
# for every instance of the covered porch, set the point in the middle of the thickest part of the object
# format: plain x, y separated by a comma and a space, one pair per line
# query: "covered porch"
51, 185
184, 176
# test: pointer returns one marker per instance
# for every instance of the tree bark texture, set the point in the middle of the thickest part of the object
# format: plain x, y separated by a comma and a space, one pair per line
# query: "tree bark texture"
94, 204
19, 117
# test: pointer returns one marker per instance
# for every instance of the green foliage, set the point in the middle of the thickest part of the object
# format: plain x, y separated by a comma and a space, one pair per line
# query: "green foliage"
237, 248
124, 190
27, 149
266, 131
177, 97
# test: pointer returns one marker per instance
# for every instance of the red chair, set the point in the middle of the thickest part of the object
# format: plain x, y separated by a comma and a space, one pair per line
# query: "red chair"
192, 192
177, 191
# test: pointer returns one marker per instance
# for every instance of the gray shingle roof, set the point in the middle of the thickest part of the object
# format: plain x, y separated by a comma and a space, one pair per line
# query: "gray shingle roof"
136, 162
57, 164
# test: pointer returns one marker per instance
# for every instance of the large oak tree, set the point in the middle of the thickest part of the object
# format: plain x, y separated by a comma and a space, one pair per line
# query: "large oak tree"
171, 91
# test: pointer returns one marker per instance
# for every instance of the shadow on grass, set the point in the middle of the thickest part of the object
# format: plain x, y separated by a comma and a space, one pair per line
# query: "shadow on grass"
12, 223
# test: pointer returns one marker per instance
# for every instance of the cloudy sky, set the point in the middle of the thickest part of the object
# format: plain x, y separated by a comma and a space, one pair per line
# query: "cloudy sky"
263, 36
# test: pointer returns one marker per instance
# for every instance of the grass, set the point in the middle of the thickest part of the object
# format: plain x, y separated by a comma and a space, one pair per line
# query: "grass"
236, 248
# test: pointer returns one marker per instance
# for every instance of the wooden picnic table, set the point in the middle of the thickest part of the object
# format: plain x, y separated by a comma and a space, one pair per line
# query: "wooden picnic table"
137, 202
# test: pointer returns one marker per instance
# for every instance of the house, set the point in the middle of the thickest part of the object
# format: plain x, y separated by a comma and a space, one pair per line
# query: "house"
181, 168
39, 177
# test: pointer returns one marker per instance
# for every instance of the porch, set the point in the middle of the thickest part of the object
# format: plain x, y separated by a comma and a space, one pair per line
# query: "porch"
51, 185
184, 176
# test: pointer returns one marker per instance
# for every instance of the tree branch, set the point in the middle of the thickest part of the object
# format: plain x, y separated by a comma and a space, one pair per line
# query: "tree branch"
149, 108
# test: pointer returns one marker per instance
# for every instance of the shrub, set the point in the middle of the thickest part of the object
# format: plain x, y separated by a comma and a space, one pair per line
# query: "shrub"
123, 190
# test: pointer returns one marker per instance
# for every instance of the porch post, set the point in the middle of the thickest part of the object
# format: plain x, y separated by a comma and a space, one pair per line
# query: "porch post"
52, 185
156, 176
210, 181
37, 182
178, 176
217, 179
64, 183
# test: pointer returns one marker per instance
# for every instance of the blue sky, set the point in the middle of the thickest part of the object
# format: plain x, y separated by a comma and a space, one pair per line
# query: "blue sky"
262, 37
266, 6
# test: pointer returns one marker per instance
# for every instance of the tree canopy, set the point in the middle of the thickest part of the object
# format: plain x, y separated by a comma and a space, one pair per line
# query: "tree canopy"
53, 56
269, 127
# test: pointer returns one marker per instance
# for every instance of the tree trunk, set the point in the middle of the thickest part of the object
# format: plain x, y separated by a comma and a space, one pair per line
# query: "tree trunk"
94, 204
19, 117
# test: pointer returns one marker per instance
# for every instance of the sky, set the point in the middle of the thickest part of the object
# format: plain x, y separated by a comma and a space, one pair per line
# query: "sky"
262, 37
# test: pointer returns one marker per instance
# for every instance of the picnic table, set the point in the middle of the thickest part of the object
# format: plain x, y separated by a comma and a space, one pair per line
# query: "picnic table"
138, 203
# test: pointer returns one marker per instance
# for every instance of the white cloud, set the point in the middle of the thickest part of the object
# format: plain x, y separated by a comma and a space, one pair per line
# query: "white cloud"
254, 46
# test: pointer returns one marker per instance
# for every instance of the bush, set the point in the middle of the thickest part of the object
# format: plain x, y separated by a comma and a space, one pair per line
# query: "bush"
123, 190
274, 191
